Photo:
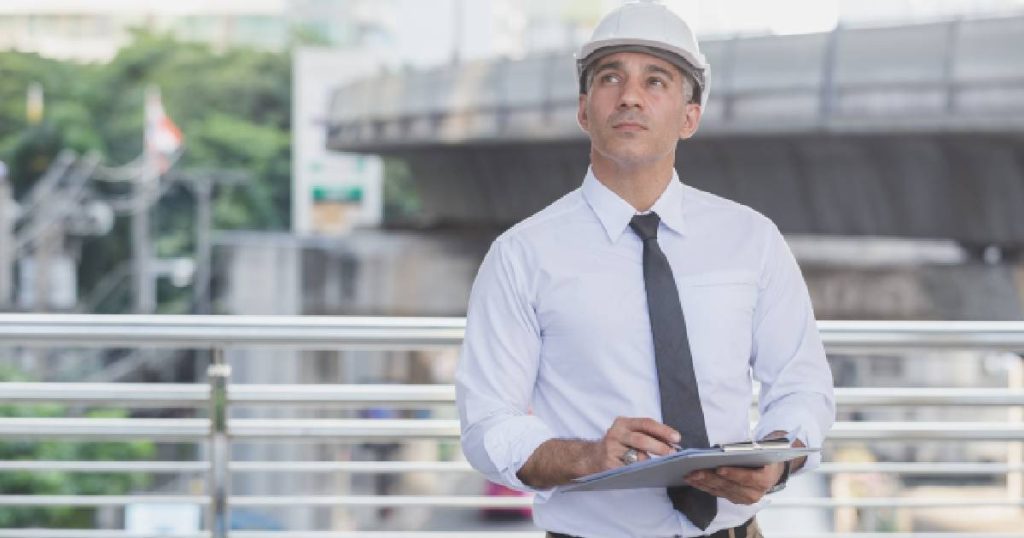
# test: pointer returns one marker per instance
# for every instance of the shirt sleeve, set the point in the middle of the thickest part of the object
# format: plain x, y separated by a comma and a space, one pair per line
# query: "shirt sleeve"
495, 377
788, 358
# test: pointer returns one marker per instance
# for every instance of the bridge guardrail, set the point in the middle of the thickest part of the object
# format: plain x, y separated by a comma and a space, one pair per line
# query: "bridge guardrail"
218, 431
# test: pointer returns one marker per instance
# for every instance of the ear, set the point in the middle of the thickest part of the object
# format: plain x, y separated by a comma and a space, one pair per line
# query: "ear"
581, 114
691, 120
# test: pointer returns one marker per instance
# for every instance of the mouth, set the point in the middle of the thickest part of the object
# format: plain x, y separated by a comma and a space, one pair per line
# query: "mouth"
627, 126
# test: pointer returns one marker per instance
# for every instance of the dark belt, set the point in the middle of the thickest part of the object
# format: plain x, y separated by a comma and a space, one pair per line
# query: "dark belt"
739, 531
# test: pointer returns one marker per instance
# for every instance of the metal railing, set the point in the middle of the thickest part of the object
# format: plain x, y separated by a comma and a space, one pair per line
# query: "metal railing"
221, 332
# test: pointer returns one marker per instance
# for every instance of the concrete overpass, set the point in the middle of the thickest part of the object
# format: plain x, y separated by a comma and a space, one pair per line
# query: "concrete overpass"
912, 131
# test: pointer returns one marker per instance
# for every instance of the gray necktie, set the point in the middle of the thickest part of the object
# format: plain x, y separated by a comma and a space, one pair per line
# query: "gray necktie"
680, 402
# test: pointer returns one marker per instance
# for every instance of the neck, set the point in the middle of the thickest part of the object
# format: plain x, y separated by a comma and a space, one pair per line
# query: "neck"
638, 184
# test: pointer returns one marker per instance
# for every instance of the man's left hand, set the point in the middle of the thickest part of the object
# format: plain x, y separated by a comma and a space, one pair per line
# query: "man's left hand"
738, 484
741, 485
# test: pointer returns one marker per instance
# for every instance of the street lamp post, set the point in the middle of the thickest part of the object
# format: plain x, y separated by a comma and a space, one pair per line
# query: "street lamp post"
6, 239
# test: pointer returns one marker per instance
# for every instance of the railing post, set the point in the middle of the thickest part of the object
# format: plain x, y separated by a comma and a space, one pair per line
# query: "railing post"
1015, 449
7, 254
220, 447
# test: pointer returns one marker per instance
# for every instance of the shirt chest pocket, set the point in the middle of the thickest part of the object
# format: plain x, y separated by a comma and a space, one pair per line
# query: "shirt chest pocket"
719, 310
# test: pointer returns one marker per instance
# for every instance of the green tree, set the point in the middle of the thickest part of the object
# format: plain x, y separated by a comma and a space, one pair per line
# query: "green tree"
233, 107
63, 483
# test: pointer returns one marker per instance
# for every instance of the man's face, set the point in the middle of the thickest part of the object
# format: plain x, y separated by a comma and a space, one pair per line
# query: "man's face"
635, 110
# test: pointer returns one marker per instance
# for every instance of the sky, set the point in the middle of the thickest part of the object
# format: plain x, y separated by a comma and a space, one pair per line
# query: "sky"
806, 16
426, 35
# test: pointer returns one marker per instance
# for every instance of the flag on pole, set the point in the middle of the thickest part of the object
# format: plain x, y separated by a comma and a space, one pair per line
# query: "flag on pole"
163, 139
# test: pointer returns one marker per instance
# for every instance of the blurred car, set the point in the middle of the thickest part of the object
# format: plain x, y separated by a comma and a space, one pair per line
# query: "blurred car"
505, 514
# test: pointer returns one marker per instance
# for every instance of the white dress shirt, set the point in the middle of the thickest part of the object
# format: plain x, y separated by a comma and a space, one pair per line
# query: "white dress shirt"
558, 344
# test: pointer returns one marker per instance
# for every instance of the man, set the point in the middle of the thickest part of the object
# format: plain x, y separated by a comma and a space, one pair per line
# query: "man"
630, 315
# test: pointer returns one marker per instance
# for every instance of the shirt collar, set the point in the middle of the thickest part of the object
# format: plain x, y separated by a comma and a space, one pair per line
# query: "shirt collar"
615, 213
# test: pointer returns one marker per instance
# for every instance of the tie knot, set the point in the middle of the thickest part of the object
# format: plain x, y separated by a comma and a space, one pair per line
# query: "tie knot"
646, 226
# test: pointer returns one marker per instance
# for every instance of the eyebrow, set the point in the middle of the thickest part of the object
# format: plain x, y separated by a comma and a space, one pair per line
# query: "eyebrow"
615, 64
650, 68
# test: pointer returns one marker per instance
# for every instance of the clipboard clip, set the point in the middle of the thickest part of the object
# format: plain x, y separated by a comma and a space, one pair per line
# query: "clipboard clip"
747, 446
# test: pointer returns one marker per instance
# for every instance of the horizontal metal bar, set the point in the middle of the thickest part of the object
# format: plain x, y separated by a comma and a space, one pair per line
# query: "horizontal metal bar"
303, 332
920, 468
381, 467
343, 428
887, 335
399, 467
882, 535
106, 466
197, 395
136, 394
107, 533
196, 429
540, 534
895, 502
947, 431
327, 332
440, 501
936, 396
99, 500
102, 533
157, 429
473, 501
389, 467
342, 394
384, 534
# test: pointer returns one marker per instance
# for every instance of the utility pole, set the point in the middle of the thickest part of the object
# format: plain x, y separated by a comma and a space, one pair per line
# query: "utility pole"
202, 184
203, 190
48, 251
6, 239
142, 254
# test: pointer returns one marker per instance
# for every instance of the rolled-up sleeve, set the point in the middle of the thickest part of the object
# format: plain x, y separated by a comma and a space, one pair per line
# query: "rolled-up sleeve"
788, 358
497, 370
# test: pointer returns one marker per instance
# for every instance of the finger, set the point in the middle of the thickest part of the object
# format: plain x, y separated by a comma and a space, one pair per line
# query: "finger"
646, 443
641, 454
665, 434
760, 478
736, 492
719, 487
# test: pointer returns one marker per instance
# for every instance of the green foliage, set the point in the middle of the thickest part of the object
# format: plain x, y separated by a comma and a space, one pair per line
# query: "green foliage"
233, 107
63, 483
401, 200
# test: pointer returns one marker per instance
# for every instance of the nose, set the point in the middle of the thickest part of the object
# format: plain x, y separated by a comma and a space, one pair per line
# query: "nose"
632, 94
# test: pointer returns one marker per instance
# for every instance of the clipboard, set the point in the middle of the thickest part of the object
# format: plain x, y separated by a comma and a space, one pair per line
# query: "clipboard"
670, 470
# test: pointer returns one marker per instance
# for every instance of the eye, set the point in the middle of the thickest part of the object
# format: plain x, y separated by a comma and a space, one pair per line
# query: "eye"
610, 78
657, 82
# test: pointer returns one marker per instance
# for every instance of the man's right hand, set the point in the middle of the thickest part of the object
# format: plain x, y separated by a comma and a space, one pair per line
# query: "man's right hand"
559, 461
646, 435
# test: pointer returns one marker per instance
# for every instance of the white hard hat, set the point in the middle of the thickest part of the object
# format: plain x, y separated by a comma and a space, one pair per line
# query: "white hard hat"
650, 27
